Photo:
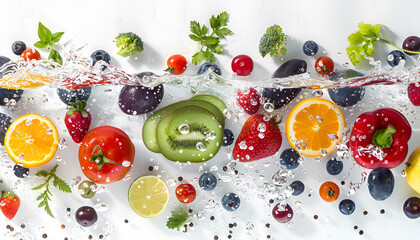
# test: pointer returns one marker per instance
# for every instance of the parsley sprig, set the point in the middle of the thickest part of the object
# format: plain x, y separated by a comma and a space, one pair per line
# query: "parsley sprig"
361, 42
178, 219
47, 39
45, 196
210, 44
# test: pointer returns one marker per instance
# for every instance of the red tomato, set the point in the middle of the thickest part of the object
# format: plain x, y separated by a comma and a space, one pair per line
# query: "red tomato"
242, 65
177, 64
185, 193
30, 54
324, 65
106, 154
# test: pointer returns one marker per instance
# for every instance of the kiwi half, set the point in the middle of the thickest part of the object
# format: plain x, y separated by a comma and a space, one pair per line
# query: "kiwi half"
149, 127
200, 143
212, 99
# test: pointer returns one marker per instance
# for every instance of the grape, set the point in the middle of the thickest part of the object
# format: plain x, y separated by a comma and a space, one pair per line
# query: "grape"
334, 167
86, 216
231, 202
411, 43
411, 207
381, 183
347, 206
282, 213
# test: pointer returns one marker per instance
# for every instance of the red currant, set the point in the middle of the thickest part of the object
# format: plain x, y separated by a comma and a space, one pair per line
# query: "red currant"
242, 65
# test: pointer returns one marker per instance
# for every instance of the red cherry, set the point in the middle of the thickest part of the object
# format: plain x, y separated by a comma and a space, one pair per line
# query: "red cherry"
242, 65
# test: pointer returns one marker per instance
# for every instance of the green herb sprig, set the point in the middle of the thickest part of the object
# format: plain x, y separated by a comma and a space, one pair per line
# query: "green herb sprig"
47, 39
45, 196
178, 219
210, 44
361, 42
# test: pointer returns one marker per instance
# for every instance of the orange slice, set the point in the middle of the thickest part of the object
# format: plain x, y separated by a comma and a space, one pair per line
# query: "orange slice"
314, 127
31, 140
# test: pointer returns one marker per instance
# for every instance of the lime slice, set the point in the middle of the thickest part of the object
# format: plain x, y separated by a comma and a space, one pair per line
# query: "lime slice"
148, 196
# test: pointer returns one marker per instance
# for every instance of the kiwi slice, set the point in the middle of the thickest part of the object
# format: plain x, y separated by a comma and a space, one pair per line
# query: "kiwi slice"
149, 127
189, 134
212, 99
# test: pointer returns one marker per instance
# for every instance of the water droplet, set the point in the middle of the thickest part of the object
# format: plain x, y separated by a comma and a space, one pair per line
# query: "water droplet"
49, 131
62, 144
268, 107
254, 101
319, 119
301, 145
266, 163
249, 226
107, 179
242, 145
323, 152
403, 173
228, 113
261, 135
213, 168
126, 163
317, 93
28, 122
211, 135
101, 207
200, 146
332, 136
261, 127
184, 129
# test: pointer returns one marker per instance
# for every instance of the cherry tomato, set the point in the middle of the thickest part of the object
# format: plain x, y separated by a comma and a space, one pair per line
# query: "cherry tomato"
106, 154
329, 191
242, 65
30, 54
324, 65
185, 193
177, 64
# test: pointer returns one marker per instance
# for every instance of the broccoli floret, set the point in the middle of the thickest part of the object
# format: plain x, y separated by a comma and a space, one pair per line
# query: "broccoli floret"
129, 44
273, 42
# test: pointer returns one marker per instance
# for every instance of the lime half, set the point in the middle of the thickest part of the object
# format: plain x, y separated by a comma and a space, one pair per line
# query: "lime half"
148, 196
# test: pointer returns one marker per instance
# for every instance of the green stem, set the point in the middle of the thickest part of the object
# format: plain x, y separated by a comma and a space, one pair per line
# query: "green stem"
404, 50
100, 158
383, 137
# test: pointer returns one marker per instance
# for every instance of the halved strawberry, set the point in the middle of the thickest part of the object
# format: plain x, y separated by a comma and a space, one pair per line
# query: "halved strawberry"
259, 138
9, 205
250, 101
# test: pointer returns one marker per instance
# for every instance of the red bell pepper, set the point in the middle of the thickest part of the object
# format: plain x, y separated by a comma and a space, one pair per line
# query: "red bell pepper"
379, 138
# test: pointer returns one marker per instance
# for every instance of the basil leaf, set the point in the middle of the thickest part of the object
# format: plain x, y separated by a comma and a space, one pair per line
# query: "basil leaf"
40, 44
44, 33
57, 36
55, 56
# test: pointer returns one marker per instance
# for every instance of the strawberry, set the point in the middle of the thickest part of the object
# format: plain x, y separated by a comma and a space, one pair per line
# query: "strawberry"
9, 205
77, 120
250, 101
259, 138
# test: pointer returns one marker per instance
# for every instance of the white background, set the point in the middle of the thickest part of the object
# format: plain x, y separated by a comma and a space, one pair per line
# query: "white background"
164, 27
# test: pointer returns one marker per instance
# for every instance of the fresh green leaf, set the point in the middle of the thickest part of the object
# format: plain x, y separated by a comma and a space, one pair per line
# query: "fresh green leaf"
210, 44
44, 33
55, 56
45, 196
56, 36
178, 219
41, 44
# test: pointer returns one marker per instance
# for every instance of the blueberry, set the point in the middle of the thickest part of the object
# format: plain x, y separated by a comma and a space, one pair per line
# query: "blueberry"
394, 57
7, 94
227, 138
310, 48
18, 47
381, 183
289, 158
99, 55
280, 97
345, 97
231, 202
5, 122
68, 96
206, 65
207, 181
334, 167
20, 172
298, 187
347, 206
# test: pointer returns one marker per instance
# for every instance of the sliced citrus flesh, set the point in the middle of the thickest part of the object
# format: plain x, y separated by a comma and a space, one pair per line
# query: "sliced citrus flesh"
32, 140
25, 80
148, 196
314, 127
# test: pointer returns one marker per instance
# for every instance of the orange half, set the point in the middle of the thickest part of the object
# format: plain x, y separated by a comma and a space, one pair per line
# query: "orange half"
314, 127
32, 140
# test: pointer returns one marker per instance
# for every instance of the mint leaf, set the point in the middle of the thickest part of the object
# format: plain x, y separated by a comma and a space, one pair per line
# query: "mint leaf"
44, 33
56, 37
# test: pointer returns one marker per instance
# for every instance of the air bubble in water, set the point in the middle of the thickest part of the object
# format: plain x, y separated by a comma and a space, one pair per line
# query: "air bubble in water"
126, 163
317, 93
249, 226
261, 127
254, 101
184, 129
211, 135
62, 144
268, 107
301, 145
332, 136
319, 119
28, 122
242, 145
228, 113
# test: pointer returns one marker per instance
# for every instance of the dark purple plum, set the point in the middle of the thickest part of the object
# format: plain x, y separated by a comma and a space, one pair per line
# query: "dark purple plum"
281, 97
7, 94
381, 183
282, 213
71, 96
346, 97
135, 100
